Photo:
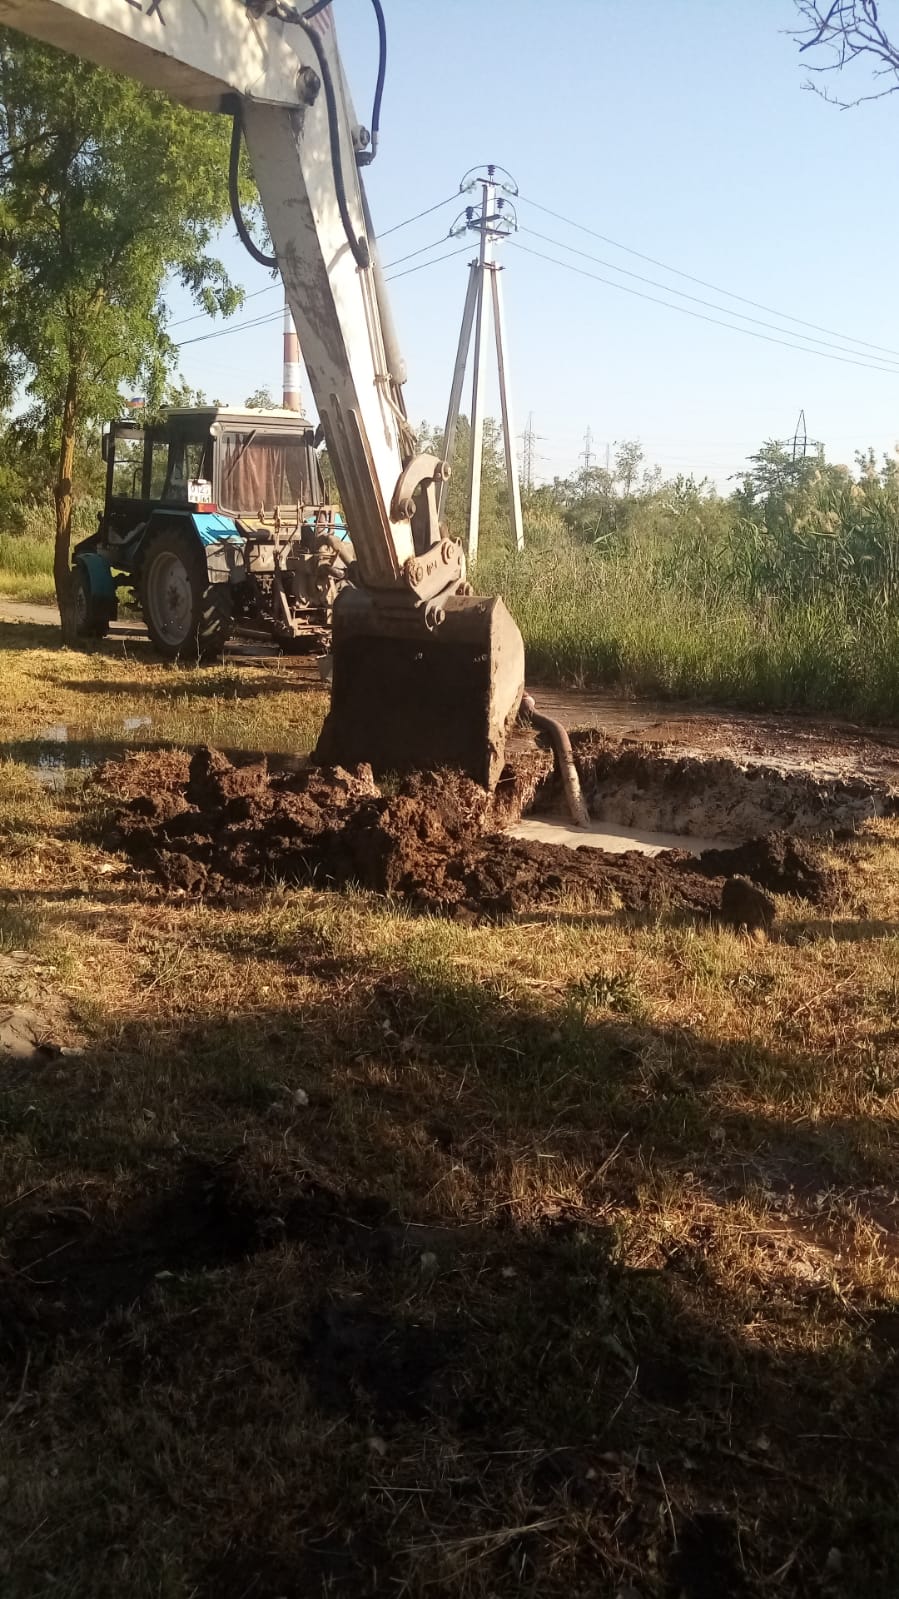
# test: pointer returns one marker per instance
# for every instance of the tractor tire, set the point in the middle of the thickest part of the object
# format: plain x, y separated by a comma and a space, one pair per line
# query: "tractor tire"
91, 614
188, 618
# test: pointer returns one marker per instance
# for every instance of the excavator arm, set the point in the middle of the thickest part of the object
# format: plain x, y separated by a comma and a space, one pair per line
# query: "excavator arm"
425, 674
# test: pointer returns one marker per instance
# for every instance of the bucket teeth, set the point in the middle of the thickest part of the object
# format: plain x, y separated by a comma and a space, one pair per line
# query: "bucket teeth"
406, 699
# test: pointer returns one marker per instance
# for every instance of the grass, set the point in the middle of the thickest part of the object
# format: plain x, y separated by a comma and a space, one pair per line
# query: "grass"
26, 568
73, 706
628, 620
352, 1253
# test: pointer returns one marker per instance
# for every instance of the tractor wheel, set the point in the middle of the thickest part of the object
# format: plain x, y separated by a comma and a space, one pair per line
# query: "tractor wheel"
187, 617
91, 613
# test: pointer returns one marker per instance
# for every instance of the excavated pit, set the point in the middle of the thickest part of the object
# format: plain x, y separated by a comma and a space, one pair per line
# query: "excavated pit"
206, 826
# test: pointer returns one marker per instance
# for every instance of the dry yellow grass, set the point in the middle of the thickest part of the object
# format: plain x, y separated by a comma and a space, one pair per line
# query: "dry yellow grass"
119, 694
360, 1253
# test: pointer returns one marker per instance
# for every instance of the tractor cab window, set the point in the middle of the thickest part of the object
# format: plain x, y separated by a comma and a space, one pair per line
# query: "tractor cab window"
128, 466
176, 463
264, 470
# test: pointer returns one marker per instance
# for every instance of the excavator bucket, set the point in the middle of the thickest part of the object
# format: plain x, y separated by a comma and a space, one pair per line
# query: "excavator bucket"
406, 698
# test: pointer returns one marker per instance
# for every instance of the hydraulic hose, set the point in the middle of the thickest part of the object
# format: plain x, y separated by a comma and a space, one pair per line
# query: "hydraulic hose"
246, 238
561, 747
365, 158
358, 246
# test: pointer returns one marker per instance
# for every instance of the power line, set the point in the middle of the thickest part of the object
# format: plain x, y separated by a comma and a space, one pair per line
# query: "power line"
466, 250
418, 216
199, 315
694, 298
412, 253
271, 287
700, 316
276, 316
703, 284
239, 327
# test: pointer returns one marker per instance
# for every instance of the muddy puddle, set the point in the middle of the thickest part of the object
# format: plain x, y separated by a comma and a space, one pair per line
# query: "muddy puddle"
61, 749
203, 825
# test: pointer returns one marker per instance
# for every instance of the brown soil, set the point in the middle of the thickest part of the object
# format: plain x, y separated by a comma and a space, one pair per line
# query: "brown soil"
434, 844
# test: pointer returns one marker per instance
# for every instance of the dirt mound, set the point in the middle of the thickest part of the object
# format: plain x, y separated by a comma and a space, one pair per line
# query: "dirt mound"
779, 863
433, 843
146, 772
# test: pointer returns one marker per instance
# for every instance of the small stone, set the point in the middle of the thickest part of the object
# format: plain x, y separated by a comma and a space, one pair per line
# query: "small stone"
833, 1565
377, 1446
299, 1097
508, 1272
428, 1263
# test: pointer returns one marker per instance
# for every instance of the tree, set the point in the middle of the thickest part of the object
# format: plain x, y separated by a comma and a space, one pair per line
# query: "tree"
774, 476
842, 33
260, 400
628, 461
107, 193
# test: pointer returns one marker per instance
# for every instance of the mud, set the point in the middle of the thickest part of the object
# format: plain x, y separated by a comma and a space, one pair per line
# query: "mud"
634, 785
435, 843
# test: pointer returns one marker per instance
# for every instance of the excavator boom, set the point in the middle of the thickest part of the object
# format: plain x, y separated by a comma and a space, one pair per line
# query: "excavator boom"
424, 673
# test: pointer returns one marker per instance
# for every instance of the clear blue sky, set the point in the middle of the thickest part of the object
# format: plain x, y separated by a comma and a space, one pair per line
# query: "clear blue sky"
679, 128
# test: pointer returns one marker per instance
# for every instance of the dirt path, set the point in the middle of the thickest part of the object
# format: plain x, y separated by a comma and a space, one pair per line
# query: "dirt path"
36, 615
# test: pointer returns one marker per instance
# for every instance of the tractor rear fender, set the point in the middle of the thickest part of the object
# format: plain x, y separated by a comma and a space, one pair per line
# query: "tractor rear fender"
223, 543
100, 579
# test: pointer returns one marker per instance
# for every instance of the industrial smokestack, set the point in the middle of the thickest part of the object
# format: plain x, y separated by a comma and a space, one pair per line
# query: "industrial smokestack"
291, 387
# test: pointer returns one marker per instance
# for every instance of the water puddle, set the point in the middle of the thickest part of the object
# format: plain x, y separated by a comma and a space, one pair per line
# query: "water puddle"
606, 836
60, 749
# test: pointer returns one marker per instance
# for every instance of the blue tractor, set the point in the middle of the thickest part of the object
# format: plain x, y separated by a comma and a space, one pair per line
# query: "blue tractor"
215, 518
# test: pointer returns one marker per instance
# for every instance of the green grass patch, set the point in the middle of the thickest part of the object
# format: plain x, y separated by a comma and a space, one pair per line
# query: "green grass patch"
631, 620
26, 568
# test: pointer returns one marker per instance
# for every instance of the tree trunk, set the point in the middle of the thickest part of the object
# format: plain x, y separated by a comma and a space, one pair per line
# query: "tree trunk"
62, 574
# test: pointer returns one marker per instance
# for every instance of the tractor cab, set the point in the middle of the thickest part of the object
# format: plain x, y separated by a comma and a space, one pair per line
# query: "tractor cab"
241, 463
214, 516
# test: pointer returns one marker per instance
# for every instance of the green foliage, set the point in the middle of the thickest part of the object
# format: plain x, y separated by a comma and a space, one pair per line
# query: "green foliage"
494, 491
26, 567
107, 193
786, 594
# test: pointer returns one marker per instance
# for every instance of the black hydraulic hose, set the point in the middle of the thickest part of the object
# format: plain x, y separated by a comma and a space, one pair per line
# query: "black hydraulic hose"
358, 246
246, 238
561, 746
365, 158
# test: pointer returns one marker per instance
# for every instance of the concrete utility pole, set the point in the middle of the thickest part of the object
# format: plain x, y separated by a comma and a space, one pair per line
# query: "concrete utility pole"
291, 383
493, 220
